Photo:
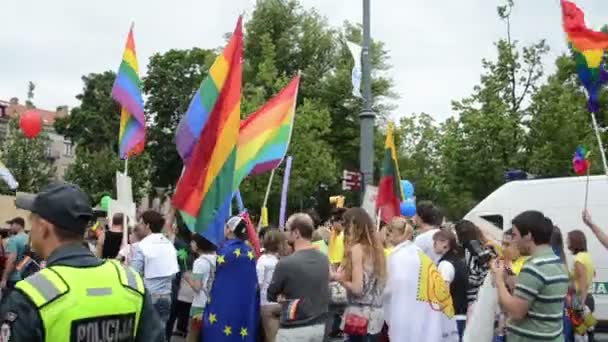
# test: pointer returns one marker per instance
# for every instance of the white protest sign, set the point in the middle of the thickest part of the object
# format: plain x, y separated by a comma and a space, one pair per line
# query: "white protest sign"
124, 204
369, 201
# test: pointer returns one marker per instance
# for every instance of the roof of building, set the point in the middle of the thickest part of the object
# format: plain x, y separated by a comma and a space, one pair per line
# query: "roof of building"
14, 109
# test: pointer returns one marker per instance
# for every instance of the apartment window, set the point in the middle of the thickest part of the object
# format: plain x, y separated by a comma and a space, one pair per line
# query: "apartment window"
68, 148
48, 151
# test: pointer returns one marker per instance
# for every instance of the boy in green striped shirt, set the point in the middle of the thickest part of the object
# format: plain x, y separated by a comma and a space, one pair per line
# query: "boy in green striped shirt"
535, 309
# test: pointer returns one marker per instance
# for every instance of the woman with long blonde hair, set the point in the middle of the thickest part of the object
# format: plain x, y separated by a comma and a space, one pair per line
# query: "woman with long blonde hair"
363, 274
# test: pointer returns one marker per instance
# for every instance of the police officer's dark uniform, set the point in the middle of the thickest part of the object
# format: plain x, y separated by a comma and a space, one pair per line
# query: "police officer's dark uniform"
77, 297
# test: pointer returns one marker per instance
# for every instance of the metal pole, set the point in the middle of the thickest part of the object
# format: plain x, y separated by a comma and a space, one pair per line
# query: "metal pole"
599, 142
367, 116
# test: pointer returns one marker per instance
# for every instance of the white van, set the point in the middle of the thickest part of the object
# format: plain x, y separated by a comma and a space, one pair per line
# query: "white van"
562, 200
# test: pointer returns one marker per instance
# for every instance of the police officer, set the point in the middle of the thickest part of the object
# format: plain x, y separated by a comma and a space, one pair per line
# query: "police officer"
77, 297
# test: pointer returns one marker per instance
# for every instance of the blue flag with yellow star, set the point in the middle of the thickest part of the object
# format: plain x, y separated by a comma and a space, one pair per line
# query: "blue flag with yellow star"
232, 313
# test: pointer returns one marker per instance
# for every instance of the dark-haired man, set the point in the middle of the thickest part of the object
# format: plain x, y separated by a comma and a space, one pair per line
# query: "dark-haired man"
155, 258
77, 297
536, 306
427, 219
301, 279
15, 248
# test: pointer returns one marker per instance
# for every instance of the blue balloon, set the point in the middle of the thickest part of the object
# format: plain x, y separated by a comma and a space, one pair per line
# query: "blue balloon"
408, 207
408, 188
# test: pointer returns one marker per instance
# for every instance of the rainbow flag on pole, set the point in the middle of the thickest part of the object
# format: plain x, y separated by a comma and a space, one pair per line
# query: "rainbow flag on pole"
127, 92
207, 140
589, 47
264, 136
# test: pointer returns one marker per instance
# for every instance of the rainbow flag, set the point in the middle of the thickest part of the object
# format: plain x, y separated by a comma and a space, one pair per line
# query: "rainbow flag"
127, 92
390, 192
589, 47
264, 136
205, 189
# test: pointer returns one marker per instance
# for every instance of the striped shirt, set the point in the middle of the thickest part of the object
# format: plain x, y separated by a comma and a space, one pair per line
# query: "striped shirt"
542, 282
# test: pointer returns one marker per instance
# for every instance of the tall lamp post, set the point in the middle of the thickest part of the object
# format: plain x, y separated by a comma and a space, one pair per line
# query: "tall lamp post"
367, 116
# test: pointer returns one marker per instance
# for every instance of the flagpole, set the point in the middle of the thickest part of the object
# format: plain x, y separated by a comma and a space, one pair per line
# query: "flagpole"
126, 166
587, 189
599, 142
266, 196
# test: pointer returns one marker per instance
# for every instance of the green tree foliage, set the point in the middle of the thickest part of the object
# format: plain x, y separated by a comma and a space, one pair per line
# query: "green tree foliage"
94, 124
26, 159
95, 173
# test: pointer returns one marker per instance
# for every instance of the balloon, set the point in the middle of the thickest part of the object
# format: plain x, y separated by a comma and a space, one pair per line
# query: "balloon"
31, 124
408, 207
408, 188
105, 202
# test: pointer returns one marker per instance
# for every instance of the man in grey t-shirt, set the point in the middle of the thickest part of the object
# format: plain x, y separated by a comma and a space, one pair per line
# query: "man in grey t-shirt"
301, 284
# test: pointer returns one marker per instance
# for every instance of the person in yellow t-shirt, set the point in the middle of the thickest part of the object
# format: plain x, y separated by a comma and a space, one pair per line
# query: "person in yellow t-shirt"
511, 253
582, 274
584, 270
336, 239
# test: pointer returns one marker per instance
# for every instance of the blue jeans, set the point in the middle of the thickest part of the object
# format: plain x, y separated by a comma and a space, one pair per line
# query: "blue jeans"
162, 304
460, 325
366, 338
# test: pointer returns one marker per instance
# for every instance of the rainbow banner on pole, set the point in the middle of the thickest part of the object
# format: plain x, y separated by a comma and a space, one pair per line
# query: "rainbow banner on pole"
264, 136
127, 92
589, 47
207, 140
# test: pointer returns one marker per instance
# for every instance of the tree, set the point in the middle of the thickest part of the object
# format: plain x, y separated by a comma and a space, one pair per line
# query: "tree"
27, 159
173, 78
94, 124
283, 38
95, 173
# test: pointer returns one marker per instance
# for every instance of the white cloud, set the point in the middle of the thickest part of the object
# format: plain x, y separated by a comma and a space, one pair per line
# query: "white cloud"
436, 46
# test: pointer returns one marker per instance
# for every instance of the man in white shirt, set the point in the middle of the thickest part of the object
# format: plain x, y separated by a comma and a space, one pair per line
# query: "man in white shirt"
155, 258
427, 220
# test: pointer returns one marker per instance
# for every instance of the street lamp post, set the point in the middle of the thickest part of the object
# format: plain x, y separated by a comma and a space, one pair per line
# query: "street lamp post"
367, 116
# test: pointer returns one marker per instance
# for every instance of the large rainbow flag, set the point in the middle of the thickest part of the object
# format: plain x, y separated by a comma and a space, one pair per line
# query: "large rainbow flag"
127, 92
390, 192
264, 136
589, 47
205, 189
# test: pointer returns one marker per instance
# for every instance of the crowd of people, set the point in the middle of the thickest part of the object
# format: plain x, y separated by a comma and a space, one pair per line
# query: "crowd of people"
348, 278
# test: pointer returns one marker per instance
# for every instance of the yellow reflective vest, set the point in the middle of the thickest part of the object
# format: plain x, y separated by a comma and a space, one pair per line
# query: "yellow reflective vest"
101, 303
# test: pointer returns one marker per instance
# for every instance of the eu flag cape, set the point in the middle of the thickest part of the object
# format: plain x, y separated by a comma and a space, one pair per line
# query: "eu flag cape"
232, 313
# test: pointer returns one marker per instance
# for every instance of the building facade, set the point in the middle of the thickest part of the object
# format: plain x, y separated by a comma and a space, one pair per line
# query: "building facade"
59, 150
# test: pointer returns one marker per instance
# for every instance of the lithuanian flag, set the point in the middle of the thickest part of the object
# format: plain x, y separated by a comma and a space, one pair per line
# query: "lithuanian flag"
390, 193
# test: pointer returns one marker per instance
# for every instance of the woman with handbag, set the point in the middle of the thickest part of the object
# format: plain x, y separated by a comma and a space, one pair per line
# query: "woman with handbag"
363, 276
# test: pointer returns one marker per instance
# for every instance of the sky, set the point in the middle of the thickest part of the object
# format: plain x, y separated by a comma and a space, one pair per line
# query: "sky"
435, 46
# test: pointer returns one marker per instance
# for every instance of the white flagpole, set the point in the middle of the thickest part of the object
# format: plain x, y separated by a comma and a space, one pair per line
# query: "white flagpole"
599, 142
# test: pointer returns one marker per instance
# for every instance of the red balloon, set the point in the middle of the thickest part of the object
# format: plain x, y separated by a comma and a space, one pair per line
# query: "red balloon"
31, 124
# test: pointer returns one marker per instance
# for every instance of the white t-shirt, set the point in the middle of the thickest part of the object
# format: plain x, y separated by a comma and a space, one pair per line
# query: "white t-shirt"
265, 269
447, 271
425, 242
201, 270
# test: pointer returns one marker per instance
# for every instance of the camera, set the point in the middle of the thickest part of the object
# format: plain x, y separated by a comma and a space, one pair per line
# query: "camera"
484, 254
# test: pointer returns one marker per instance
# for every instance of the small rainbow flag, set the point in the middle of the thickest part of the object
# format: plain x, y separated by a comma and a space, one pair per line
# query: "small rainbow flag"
127, 92
204, 191
589, 47
264, 136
